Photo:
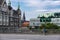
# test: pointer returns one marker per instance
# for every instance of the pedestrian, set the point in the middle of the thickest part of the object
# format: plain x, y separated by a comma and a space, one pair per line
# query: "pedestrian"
44, 31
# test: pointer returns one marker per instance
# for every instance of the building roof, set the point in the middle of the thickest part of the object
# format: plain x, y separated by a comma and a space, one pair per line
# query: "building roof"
9, 7
25, 24
1, 1
19, 11
15, 12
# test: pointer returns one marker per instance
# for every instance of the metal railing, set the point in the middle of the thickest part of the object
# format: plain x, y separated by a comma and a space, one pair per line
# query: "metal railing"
48, 31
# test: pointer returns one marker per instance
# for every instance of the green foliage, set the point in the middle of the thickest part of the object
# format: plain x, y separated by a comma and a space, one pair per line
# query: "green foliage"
36, 27
30, 27
49, 26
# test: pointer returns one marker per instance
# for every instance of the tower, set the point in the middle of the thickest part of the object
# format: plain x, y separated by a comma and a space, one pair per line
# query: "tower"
19, 11
4, 1
4, 4
1, 1
19, 14
24, 17
9, 3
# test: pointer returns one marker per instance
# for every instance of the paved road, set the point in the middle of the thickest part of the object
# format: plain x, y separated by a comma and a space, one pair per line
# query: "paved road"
28, 37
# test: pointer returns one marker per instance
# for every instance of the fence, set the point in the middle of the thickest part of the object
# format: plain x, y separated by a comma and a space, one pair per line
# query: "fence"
48, 31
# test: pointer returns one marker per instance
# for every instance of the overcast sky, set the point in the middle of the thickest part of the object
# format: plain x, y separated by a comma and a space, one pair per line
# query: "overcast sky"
33, 8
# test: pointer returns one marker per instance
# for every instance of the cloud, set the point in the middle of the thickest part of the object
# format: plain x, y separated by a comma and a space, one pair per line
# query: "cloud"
38, 3
41, 10
37, 6
41, 6
42, 3
54, 10
46, 6
32, 2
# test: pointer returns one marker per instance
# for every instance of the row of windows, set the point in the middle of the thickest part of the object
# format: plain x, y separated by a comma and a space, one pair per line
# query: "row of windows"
4, 23
45, 20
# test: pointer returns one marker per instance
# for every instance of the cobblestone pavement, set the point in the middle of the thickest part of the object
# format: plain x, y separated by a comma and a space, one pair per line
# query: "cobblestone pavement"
28, 37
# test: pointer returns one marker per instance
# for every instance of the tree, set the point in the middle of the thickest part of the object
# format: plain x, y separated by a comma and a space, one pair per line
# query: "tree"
49, 26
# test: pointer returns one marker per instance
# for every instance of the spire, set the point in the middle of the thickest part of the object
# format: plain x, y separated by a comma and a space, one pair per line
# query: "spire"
9, 3
18, 9
18, 5
24, 16
4, 1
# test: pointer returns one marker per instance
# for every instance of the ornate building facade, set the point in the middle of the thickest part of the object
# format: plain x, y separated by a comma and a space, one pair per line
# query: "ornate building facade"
10, 19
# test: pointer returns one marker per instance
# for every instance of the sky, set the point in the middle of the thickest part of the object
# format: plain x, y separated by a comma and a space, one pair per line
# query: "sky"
35, 8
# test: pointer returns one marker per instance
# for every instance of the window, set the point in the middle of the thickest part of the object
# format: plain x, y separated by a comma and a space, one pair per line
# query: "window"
0, 22
12, 23
0, 16
11, 19
38, 24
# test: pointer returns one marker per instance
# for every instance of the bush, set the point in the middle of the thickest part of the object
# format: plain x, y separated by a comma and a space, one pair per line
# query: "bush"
49, 26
